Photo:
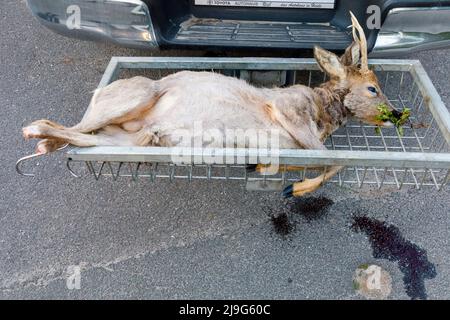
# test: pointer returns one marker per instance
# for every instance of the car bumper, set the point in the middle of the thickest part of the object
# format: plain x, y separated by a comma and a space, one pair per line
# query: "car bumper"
129, 23
411, 29
124, 22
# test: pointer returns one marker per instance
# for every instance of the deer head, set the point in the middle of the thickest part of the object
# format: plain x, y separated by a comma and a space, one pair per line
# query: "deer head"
351, 73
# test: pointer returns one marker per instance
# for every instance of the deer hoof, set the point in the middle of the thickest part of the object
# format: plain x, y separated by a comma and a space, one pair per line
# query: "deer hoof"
42, 149
301, 188
288, 192
31, 132
49, 145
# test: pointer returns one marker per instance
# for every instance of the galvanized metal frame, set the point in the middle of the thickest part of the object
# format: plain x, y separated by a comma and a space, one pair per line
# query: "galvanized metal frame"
287, 157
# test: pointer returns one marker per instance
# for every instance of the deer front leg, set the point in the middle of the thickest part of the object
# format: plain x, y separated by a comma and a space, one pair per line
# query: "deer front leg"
307, 138
299, 189
263, 168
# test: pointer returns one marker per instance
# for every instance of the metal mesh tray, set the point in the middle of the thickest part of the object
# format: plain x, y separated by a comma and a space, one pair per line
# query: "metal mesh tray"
418, 158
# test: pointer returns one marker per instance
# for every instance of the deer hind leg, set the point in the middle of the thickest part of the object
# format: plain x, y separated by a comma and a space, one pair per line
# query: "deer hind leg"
117, 103
120, 102
46, 145
299, 189
49, 145
55, 136
112, 135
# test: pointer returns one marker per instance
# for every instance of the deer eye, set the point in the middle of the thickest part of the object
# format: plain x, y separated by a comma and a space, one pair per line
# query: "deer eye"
372, 89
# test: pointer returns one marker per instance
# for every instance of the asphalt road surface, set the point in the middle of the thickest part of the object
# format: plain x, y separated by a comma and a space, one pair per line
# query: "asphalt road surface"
175, 240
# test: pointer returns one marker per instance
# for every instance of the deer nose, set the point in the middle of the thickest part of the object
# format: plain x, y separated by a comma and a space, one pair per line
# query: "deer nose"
397, 114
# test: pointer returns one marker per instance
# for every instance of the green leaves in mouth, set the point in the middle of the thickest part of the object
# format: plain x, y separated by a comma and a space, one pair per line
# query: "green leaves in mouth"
387, 115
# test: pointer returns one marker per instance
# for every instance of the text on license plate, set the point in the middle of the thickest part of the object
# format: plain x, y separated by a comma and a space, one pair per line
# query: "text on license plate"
302, 4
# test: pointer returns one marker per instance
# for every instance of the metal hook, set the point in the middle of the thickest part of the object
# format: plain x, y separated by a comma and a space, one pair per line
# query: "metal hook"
70, 168
35, 155
19, 162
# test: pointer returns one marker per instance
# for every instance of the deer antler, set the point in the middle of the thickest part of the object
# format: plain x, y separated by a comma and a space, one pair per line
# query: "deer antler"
360, 38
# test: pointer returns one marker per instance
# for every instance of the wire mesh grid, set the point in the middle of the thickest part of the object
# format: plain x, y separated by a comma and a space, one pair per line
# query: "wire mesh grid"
422, 135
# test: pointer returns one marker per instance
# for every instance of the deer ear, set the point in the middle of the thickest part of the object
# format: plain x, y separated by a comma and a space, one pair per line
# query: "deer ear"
352, 55
329, 63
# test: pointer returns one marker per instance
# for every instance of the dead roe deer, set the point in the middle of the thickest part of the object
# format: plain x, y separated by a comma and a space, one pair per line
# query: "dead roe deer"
144, 112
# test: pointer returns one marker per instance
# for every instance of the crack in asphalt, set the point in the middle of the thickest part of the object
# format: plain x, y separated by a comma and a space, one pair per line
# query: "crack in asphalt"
36, 278
47, 277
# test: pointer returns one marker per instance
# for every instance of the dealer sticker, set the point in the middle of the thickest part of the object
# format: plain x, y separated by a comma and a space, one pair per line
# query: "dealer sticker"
294, 4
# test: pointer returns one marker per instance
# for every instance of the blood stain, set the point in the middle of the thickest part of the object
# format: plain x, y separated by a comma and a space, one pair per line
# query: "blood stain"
281, 224
311, 208
388, 243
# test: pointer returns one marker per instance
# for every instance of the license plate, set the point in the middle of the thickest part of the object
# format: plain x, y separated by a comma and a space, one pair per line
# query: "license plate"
294, 4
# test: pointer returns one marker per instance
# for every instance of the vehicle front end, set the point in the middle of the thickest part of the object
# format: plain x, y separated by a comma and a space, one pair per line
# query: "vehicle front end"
392, 26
